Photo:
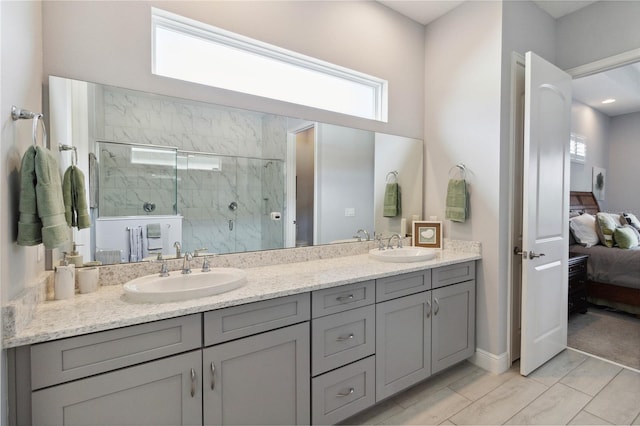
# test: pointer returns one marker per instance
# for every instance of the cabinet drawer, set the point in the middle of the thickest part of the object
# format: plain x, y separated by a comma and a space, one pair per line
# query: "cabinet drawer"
338, 299
452, 274
344, 392
402, 285
342, 338
244, 320
77, 357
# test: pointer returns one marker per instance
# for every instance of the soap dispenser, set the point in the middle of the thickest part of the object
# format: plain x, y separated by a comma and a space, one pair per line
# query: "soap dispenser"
74, 257
64, 280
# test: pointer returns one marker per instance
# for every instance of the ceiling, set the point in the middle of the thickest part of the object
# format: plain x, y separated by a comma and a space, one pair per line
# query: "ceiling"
425, 11
622, 84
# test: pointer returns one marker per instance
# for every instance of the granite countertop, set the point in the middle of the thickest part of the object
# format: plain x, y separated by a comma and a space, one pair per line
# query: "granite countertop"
108, 308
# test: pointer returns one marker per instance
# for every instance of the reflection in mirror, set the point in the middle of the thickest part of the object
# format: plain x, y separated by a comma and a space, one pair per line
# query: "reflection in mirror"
222, 179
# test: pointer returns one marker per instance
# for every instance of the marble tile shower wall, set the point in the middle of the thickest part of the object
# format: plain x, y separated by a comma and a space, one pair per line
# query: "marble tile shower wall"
203, 197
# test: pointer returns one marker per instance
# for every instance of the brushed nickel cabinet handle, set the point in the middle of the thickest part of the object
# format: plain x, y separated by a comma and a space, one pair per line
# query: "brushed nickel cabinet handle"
349, 392
437, 307
345, 298
428, 309
193, 383
343, 338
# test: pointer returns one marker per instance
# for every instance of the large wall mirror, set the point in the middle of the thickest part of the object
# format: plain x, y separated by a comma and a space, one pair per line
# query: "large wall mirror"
161, 170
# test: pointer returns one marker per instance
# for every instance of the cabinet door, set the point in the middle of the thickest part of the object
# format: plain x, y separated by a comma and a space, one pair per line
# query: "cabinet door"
453, 325
163, 392
403, 343
262, 379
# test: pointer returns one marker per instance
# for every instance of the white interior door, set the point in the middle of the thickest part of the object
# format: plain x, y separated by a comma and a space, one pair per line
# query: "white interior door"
545, 212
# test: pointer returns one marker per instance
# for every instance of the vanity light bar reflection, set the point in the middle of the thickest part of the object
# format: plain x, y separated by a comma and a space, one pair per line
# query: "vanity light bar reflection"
166, 157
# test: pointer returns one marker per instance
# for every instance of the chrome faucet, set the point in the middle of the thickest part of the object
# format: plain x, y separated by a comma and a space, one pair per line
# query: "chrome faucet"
206, 267
364, 231
186, 264
389, 246
164, 269
178, 247
380, 242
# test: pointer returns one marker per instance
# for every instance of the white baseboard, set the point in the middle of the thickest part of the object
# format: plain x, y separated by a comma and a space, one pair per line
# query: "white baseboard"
493, 363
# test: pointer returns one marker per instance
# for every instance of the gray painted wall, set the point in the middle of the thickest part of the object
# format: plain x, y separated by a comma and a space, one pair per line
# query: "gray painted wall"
109, 42
600, 30
595, 126
20, 85
339, 149
623, 173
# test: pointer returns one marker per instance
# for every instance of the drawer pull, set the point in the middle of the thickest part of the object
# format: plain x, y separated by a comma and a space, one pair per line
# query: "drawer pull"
437, 307
213, 376
345, 337
344, 299
193, 383
349, 392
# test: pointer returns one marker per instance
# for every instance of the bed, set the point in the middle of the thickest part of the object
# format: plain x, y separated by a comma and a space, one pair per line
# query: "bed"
613, 273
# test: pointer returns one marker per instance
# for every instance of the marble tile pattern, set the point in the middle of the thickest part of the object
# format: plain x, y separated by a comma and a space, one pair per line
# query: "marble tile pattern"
202, 197
270, 274
576, 388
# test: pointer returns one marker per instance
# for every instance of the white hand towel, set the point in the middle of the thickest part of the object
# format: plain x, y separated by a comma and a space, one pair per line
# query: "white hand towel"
135, 244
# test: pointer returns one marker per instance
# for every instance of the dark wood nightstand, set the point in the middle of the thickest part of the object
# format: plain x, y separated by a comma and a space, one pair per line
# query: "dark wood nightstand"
578, 283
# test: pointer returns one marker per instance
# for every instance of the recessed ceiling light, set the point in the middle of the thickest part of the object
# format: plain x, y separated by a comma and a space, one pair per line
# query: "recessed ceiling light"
608, 101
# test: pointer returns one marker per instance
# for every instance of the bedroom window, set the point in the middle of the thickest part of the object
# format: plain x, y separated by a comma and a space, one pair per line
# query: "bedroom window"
578, 148
192, 51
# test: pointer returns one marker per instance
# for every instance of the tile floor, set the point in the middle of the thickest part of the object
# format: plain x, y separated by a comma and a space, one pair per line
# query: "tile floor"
572, 388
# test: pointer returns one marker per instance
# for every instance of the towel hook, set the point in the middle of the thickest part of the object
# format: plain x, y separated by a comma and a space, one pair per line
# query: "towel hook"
23, 114
74, 157
393, 174
461, 168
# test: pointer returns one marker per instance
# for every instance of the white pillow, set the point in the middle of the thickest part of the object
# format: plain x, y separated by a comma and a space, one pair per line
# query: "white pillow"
584, 230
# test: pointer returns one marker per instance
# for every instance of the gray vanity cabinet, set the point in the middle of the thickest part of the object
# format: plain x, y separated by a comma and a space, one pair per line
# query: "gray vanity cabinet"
259, 380
163, 392
403, 343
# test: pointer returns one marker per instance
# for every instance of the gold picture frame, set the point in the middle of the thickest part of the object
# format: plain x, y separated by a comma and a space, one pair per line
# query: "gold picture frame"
427, 233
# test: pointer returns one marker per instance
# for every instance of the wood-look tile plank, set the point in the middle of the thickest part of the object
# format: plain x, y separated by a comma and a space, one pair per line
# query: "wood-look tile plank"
619, 401
591, 376
558, 405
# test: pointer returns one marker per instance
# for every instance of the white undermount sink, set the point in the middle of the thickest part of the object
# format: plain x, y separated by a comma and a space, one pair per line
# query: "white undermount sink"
178, 286
404, 254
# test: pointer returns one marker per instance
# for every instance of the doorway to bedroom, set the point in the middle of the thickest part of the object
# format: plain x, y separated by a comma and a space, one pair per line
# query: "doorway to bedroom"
605, 129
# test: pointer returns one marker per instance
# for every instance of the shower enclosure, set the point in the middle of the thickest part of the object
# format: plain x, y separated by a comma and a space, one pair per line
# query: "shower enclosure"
228, 203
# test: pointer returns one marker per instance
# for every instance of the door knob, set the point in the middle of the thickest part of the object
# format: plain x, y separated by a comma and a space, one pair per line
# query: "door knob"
533, 255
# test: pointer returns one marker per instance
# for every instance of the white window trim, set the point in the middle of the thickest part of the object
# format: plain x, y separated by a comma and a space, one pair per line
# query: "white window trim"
181, 24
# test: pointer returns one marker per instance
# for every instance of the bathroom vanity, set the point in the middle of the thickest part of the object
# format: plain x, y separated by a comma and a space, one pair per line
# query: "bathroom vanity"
313, 346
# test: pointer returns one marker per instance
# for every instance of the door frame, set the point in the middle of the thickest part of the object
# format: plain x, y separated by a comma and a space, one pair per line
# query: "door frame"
290, 217
516, 60
594, 67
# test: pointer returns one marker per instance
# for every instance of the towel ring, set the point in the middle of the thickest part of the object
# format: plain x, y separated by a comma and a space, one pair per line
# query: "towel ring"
393, 175
462, 169
74, 157
23, 114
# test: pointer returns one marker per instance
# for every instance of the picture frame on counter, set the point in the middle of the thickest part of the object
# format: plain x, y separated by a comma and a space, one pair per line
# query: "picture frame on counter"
427, 233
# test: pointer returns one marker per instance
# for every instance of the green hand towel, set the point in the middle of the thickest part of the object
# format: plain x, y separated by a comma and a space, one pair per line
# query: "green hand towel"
50, 200
75, 201
29, 225
154, 231
392, 200
456, 207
